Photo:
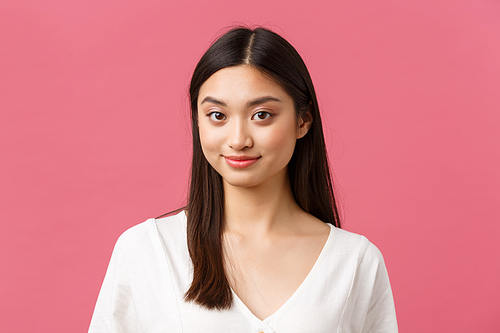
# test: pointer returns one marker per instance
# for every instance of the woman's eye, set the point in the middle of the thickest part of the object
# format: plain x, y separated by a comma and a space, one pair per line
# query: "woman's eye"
261, 115
217, 116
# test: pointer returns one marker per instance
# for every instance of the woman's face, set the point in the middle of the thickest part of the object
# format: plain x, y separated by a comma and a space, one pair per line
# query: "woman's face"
248, 126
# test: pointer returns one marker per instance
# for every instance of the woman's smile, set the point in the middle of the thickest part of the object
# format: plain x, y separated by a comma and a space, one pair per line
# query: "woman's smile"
241, 162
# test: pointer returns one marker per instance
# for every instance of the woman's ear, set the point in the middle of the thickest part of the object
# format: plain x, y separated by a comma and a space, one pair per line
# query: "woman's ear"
305, 122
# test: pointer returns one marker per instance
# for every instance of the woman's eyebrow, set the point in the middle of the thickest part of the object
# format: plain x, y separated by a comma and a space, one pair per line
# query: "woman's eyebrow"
262, 100
257, 101
212, 100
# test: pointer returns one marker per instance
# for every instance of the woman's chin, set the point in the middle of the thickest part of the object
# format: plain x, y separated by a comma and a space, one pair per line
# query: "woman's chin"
239, 182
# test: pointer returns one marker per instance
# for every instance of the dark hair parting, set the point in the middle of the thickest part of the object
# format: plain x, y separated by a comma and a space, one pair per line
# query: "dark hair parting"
308, 168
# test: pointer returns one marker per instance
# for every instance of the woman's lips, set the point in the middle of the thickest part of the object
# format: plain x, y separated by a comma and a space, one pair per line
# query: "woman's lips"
240, 162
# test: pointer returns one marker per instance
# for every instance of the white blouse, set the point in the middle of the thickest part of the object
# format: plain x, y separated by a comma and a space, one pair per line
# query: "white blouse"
347, 289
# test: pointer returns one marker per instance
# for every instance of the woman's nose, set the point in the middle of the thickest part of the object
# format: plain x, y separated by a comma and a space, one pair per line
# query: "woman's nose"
239, 136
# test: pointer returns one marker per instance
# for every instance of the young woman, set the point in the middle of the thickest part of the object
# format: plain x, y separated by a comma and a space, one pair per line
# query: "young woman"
258, 248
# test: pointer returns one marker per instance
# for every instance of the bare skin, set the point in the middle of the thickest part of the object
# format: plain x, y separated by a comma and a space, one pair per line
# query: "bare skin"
269, 255
269, 243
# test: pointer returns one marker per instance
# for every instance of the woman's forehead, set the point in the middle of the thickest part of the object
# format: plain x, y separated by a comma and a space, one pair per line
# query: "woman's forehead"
241, 83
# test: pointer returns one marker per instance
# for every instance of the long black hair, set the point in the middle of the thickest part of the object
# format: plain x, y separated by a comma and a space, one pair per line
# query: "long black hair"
308, 168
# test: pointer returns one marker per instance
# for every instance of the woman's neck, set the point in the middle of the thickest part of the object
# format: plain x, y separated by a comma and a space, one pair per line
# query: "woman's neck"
261, 209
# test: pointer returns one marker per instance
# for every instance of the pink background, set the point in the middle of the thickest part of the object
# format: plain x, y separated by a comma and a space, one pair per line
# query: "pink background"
95, 138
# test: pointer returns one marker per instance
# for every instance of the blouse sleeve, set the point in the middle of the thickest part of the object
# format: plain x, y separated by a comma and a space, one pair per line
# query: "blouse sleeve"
114, 310
371, 295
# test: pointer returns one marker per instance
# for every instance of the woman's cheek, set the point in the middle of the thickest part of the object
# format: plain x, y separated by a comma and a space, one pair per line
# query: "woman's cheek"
207, 142
280, 138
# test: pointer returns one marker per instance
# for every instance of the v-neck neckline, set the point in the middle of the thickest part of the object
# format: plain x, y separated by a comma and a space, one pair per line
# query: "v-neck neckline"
249, 314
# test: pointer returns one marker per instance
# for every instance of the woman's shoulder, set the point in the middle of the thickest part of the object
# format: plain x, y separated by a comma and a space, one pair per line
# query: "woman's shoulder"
153, 229
352, 244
